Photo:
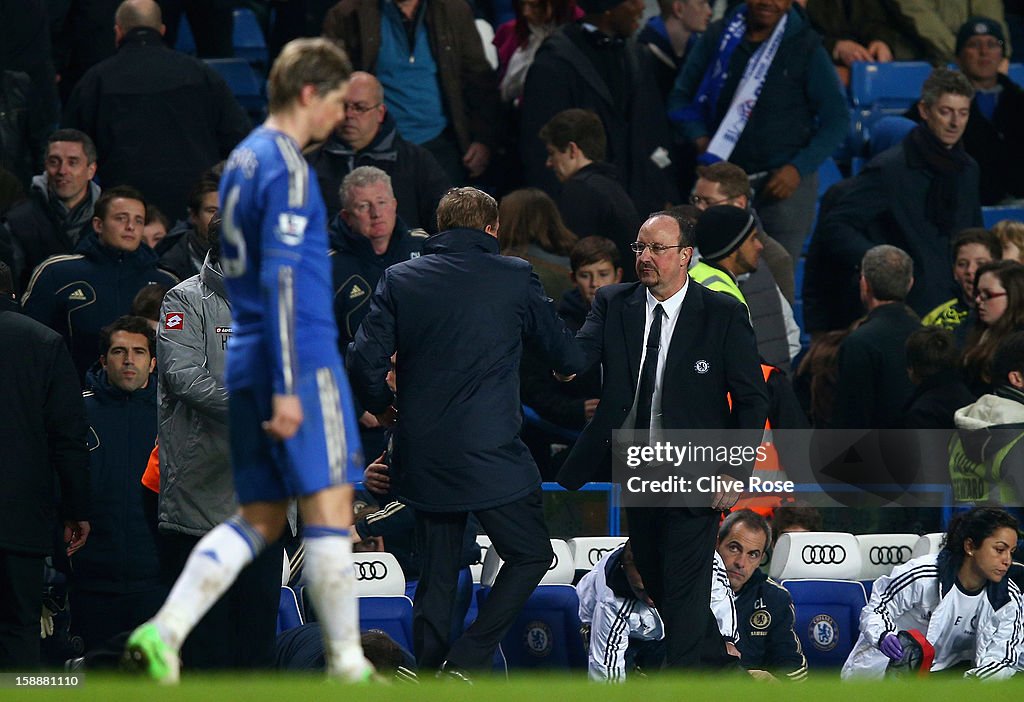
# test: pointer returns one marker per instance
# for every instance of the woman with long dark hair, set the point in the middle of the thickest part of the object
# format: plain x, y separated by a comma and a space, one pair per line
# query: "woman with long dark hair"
999, 301
959, 599
530, 227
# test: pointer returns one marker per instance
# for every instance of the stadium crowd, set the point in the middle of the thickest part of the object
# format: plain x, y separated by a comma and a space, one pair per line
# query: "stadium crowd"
640, 169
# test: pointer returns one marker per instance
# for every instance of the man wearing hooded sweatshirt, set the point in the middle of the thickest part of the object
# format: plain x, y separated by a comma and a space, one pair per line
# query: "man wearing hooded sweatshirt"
56, 214
115, 583
78, 295
986, 454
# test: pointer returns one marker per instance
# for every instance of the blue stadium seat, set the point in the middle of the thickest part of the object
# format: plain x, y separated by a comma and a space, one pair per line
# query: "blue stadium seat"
244, 85
883, 89
819, 569
383, 605
289, 611
828, 175
992, 215
247, 38
827, 618
186, 41
890, 87
1016, 73
392, 615
546, 634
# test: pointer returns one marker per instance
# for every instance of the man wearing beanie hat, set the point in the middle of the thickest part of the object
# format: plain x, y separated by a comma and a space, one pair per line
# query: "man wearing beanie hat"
995, 131
932, 26
994, 136
590, 65
730, 248
671, 353
727, 239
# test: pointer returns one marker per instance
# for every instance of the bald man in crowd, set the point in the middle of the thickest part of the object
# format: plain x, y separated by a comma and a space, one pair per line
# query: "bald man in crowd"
159, 117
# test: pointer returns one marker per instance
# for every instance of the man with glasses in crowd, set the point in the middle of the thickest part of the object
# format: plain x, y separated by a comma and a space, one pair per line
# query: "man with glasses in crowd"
369, 137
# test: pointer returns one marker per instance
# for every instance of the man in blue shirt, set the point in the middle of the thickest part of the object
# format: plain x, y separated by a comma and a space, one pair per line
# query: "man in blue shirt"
292, 427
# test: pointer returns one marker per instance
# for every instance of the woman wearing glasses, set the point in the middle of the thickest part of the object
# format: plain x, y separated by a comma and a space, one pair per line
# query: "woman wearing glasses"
999, 300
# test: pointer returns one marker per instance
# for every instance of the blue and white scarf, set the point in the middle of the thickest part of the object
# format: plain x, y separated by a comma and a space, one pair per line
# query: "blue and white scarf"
747, 91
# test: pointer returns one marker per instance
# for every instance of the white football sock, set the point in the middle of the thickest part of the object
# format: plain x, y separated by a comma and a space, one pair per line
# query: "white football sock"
330, 576
211, 569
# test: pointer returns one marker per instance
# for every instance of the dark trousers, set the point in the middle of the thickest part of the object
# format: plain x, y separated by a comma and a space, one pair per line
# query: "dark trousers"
241, 629
21, 602
520, 537
99, 616
674, 552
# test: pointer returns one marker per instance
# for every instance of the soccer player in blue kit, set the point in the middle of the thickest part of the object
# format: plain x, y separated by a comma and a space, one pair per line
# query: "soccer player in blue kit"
293, 429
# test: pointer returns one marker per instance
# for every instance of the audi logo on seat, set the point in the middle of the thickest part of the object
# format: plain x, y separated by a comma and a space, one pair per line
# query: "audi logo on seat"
823, 554
596, 554
888, 555
371, 570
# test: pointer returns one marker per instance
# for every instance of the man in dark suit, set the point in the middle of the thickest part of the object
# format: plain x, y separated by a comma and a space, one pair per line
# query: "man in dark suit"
704, 348
457, 317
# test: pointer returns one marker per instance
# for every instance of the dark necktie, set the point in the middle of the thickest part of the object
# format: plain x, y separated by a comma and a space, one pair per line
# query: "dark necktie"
649, 372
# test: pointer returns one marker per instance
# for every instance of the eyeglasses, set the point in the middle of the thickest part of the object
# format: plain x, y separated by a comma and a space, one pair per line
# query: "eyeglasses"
364, 206
985, 295
698, 200
656, 249
989, 44
360, 109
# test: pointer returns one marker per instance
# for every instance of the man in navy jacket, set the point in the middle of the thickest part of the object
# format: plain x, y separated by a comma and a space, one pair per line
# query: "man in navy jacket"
77, 295
116, 582
456, 317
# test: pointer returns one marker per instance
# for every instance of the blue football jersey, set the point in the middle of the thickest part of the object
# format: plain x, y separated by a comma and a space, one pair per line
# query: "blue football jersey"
276, 268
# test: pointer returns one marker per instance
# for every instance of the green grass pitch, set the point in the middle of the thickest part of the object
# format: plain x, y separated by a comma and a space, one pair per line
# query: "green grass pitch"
522, 688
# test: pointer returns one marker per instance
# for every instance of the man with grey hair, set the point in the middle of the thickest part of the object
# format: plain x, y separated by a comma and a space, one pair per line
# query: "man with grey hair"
768, 645
917, 195
159, 117
367, 236
873, 384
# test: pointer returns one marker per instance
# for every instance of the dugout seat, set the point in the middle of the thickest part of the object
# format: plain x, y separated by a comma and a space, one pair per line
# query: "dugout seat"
546, 634
927, 544
820, 570
879, 553
383, 604
484, 542
588, 550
